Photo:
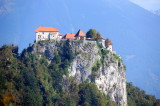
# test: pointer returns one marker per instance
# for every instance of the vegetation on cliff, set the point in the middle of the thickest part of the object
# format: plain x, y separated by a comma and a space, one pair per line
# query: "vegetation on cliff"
92, 33
29, 80
26, 79
137, 97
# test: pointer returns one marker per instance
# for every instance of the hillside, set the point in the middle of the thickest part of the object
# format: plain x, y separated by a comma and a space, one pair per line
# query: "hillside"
62, 72
91, 62
65, 73
138, 97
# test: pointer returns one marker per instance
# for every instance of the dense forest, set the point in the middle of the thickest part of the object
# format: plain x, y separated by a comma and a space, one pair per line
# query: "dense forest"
29, 80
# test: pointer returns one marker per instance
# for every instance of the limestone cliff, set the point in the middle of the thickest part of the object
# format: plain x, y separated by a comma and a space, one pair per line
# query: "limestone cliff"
92, 62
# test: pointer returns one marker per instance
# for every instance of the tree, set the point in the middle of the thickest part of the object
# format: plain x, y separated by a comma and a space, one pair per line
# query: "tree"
92, 33
30, 80
99, 36
90, 95
137, 97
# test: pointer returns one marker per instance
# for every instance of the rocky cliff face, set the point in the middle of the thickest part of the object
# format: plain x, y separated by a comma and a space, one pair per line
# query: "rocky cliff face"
92, 63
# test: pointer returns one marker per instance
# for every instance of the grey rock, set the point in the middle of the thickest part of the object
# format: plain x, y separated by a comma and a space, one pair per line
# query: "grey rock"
110, 78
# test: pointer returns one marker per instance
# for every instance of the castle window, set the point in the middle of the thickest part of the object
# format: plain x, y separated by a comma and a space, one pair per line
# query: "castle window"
39, 36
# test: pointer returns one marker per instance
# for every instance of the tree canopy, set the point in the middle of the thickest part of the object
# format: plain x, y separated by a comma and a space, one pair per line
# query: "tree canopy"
28, 80
92, 33
137, 97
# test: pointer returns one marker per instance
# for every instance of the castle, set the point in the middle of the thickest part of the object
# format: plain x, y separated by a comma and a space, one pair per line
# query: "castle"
47, 33
51, 33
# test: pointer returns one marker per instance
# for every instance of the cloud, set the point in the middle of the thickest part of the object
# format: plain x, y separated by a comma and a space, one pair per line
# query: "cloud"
148, 4
154, 76
6, 6
129, 57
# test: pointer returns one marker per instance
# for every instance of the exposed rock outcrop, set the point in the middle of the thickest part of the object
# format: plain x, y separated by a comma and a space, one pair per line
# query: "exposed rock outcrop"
108, 74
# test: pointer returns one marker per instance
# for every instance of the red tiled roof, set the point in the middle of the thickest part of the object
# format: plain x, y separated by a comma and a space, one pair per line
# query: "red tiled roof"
80, 33
53, 33
108, 42
41, 28
60, 34
69, 36
100, 37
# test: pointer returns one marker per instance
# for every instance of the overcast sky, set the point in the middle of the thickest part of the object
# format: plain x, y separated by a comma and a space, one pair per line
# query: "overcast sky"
148, 4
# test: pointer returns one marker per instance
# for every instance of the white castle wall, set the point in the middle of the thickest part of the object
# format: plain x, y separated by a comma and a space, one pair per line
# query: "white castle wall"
110, 48
47, 36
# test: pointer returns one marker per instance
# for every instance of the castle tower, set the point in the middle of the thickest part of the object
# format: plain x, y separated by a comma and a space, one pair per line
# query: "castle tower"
108, 44
80, 35
101, 39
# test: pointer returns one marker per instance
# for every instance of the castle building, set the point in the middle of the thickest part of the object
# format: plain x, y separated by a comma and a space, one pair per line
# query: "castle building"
101, 40
108, 44
47, 33
80, 35
69, 36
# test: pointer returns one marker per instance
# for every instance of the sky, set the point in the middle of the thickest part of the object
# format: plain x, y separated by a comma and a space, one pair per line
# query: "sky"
148, 4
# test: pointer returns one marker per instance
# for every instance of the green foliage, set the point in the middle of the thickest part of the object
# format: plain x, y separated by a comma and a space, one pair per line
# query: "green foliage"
137, 97
31, 80
92, 33
124, 67
60, 64
90, 95
66, 52
114, 86
99, 45
32, 94
116, 56
27, 79
95, 68
104, 53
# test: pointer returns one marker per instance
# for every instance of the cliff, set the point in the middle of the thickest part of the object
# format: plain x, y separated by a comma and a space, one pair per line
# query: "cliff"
92, 63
